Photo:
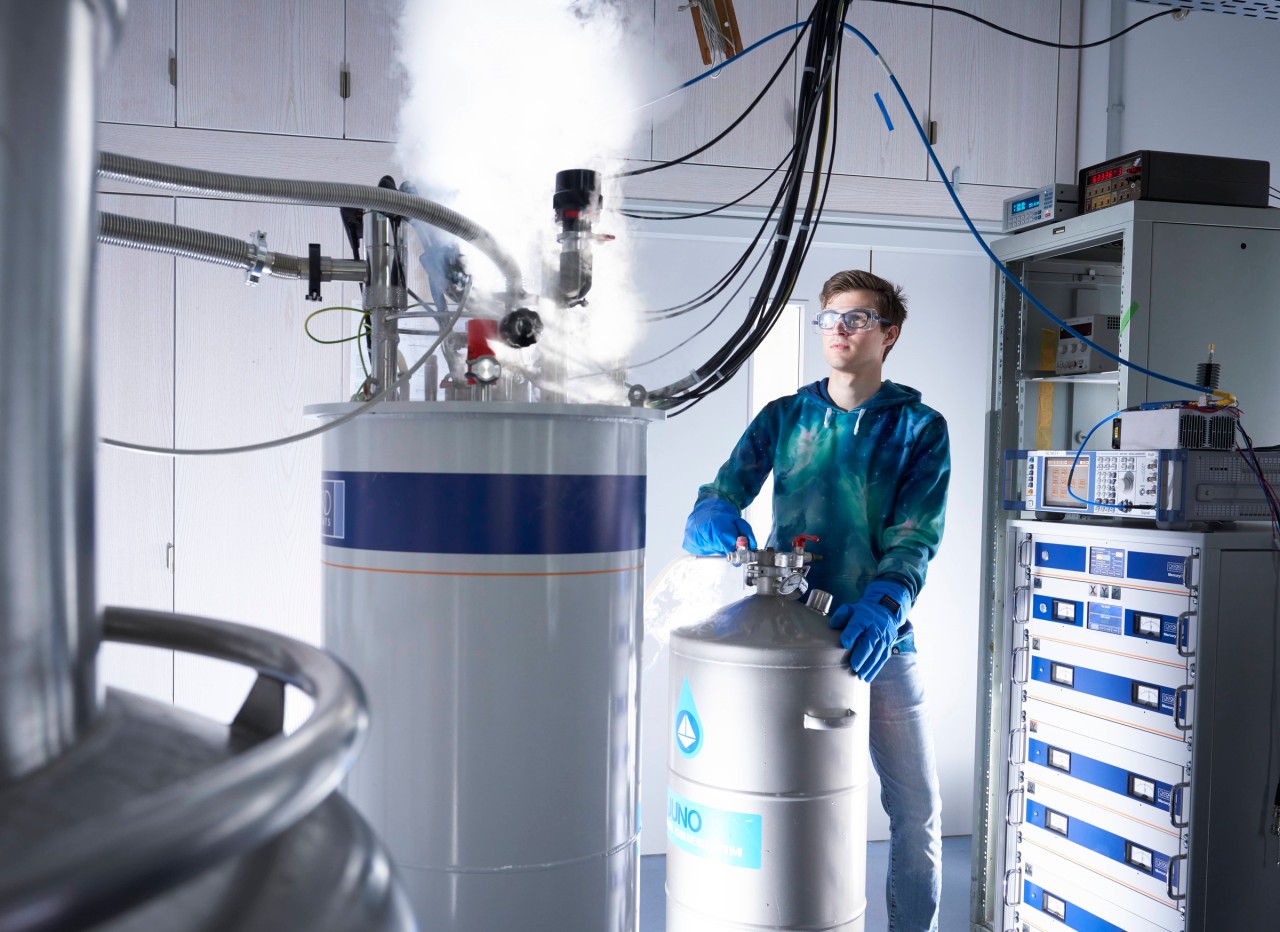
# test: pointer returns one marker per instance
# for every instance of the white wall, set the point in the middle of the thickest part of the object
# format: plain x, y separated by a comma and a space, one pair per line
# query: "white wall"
1204, 85
944, 352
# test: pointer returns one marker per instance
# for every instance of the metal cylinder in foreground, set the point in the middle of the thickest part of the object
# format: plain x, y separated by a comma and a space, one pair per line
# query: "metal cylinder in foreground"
483, 576
767, 784
49, 55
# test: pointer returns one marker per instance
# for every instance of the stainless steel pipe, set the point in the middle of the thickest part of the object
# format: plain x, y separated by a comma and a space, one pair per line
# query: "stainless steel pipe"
48, 632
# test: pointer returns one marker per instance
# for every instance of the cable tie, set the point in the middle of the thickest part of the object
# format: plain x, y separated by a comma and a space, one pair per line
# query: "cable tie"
785, 237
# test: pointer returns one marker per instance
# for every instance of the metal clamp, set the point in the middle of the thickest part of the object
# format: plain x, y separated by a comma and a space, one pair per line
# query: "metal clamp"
1181, 702
1020, 678
260, 256
1174, 894
1177, 796
1016, 886
829, 719
1017, 745
234, 806
1183, 635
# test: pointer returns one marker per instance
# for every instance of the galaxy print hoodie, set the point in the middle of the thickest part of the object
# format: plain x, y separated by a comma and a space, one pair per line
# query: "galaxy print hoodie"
870, 483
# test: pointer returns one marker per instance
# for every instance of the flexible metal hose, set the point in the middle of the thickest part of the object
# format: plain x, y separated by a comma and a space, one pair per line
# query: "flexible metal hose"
320, 193
171, 239
153, 236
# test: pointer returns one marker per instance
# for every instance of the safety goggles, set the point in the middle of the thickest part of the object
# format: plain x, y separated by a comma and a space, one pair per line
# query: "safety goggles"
851, 318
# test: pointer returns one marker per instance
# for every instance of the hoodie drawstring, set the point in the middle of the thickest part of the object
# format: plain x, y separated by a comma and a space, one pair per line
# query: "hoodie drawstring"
861, 411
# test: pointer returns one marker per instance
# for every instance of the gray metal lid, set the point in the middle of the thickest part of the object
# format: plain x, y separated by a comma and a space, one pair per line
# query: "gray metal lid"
762, 630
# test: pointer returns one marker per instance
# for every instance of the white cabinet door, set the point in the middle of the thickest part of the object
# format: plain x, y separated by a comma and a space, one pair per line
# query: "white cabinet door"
247, 526
871, 142
708, 107
265, 66
377, 77
995, 97
135, 86
135, 403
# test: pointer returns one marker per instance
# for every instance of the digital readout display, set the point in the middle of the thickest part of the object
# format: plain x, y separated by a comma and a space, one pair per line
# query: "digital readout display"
1085, 329
1027, 203
1106, 174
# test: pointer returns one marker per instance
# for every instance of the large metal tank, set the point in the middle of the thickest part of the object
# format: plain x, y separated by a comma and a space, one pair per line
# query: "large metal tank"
767, 778
484, 568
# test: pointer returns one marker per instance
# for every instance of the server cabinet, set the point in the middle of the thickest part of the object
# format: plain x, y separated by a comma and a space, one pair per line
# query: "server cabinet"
1141, 749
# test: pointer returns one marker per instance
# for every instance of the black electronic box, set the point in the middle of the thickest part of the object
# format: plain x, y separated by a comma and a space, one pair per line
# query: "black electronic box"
1175, 176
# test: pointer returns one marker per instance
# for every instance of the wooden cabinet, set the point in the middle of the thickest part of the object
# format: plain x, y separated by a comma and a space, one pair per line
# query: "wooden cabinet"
708, 107
996, 99
865, 144
377, 79
134, 304
135, 85
266, 66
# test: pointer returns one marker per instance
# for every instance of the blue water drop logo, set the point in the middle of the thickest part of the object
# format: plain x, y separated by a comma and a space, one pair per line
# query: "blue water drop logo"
688, 733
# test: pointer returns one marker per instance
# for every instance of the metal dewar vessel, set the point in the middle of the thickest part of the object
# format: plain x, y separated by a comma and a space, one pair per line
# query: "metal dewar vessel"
483, 575
767, 784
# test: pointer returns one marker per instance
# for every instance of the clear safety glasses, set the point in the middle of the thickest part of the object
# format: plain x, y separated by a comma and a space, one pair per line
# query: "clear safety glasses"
851, 318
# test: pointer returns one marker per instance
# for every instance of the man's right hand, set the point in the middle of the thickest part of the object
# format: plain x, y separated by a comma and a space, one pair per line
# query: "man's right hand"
714, 527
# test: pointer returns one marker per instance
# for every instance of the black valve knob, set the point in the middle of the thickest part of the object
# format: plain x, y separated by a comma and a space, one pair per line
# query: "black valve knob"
521, 327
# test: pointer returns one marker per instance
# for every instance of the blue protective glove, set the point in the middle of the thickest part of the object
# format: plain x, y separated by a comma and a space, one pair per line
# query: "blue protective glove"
871, 626
713, 529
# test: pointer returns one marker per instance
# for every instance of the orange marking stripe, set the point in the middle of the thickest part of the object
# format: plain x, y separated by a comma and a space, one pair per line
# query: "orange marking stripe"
1106, 650
1123, 585
1118, 721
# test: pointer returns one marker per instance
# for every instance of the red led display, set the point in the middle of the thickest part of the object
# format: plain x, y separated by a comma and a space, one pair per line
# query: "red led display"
1106, 174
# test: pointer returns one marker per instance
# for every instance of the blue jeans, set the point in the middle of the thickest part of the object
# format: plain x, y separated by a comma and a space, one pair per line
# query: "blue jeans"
902, 753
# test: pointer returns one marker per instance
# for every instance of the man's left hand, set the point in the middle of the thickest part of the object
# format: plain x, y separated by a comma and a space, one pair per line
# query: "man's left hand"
871, 626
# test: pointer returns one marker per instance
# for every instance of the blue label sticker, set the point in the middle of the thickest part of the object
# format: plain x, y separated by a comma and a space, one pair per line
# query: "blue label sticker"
333, 508
688, 733
732, 838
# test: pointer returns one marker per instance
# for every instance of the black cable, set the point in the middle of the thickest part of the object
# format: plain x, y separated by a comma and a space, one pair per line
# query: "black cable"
732, 126
1022, 36
790, 243
714, 210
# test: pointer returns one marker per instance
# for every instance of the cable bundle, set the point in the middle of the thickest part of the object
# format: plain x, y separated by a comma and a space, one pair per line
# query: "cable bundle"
792, 224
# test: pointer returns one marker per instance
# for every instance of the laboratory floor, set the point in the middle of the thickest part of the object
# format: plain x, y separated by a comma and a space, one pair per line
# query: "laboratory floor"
956, 859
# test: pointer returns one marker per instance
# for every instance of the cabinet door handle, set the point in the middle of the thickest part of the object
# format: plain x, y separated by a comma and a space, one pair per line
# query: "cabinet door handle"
1177, 799
1018, 746
1025, 551
1021, 676
1021, 605
1171, 886
1015, 887
1183, 636
1182, 718
1015, 807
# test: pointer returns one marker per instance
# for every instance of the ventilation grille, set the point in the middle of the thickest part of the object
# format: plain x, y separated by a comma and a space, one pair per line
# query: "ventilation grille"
1251, 8
1113, 323
1232, 469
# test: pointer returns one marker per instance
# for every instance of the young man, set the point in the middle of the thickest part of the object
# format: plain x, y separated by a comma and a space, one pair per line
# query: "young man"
863, 464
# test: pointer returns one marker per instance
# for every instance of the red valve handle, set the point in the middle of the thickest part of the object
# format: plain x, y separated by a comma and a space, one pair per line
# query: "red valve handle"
798, 541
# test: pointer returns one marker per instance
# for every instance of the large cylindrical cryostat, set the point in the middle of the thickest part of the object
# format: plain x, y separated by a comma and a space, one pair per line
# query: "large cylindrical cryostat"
767, 785
484, 574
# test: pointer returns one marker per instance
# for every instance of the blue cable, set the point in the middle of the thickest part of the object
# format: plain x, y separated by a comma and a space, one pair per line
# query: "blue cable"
1074, 462
728, 61
1201, 389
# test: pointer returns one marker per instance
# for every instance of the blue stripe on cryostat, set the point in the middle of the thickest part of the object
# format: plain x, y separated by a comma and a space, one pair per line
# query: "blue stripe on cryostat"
1099, 840
469, 513
1073, 916
1099, 773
